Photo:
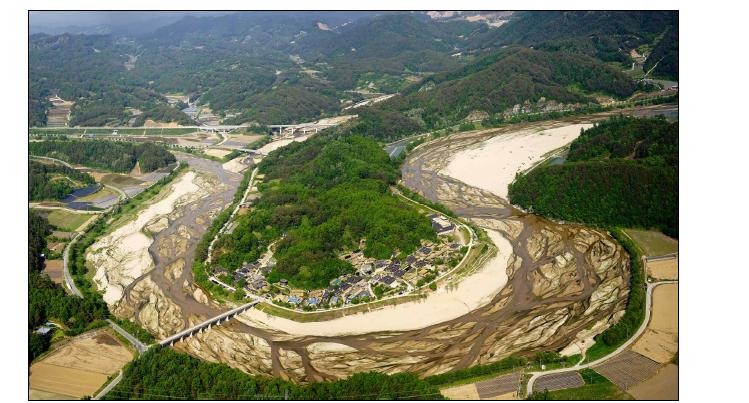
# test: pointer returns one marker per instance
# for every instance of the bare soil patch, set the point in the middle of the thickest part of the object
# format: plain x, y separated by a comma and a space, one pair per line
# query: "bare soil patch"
80, 366
462, 392
663, 386
628, 369
53, 268
660, 342
666, 269
217, 152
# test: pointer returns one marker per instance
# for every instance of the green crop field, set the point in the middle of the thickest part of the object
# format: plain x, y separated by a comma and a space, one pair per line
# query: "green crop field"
653, 243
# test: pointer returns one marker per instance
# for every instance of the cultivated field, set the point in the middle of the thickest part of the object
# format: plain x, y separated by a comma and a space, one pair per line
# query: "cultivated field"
663, 386
66, 220
663, 269
53, 268
660, 342
79, 367
628, 369
653, 243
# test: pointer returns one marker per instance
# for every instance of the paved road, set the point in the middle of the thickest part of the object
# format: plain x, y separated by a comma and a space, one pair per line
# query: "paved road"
66, 270
109, 386
132, 339
640, 330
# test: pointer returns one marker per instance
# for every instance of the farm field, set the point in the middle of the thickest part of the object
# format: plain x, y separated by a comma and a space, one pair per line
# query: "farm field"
663, 386
80, 366
660, 342
53, 268
663, 269
66, 220
653, 243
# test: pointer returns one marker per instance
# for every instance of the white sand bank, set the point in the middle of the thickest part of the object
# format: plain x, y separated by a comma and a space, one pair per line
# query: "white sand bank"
122, 256
493, 165
279, 143
473, 292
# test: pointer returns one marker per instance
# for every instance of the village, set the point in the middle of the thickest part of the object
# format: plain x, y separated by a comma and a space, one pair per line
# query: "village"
373, 279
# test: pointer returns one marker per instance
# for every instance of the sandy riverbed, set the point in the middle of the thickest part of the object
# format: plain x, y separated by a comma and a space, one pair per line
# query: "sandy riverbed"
122, 256
473, 292
493, 165
279, 143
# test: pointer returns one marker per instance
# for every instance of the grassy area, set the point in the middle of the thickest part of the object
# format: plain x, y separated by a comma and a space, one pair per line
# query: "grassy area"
596, 388
477, 373
67, 221
653, 243
104, 192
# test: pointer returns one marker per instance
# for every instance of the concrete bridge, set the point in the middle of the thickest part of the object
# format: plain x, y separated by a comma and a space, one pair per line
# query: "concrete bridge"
304, 128
199, 328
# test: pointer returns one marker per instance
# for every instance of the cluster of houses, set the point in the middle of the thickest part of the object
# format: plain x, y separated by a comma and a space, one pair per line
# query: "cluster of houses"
391, 276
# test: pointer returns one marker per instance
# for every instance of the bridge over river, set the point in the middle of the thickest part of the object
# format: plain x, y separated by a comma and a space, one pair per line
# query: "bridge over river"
199, 328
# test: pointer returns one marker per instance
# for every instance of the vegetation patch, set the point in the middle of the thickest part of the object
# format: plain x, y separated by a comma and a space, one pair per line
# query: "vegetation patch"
622, 172
164, 373
110, 155
54, 181
324, 195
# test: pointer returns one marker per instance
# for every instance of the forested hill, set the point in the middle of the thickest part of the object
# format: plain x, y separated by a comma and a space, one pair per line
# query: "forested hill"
664, 59
622, 172
607, 35
166, 374
325, 194
110, 155
48, 181
493, 85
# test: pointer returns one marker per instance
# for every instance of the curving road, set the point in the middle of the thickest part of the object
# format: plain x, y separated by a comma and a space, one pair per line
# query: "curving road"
65, 269
640, 330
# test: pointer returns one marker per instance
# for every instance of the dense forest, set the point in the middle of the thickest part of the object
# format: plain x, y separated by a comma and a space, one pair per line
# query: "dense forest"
621, 172
606, 35
518, 76
48, 301
110, 155
163, 373
324, 194
48, 181
664, 59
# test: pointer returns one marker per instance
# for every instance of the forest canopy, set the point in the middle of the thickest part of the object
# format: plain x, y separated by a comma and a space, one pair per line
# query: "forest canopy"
321, 196
621, 172
54, 182
110, 155
164, 373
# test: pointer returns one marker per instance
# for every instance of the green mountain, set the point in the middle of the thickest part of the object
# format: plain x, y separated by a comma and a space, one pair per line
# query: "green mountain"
665, 56
509, 77
606, 35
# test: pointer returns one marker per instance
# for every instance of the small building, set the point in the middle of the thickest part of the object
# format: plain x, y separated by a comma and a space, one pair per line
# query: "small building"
442, 225
294, 300
425, 250
410, 259
367, 268
381, 263
283, 282
389, 281
43, 330
312, 302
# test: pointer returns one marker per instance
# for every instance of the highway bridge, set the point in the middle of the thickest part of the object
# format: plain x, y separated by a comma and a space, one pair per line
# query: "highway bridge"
199, 328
